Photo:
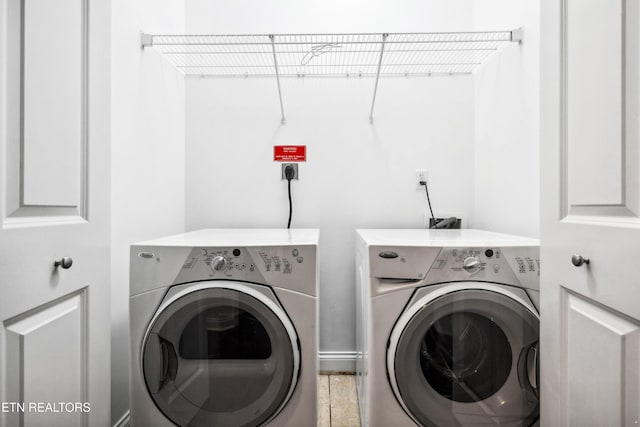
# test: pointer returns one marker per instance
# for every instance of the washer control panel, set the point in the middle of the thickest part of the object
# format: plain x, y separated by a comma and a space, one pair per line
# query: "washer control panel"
508, 265
270, 261
226, 260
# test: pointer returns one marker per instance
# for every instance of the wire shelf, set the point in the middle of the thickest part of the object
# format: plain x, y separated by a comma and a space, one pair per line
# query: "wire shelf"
329, 55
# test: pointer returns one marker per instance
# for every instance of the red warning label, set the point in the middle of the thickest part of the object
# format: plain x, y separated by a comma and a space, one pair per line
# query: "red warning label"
289, 153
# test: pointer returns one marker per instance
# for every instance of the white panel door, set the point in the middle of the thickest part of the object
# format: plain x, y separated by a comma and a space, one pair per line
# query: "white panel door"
54, 195
590, 119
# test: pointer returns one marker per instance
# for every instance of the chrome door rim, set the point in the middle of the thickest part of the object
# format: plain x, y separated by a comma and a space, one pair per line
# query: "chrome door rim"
416, 307
248, 290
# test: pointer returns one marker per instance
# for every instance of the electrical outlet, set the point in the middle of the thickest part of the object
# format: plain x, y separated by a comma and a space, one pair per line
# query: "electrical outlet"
421, 175
295, 170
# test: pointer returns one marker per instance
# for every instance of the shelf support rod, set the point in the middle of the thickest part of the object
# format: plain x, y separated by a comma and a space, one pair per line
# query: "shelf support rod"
375, 88
275, 64
146, 40
516, 35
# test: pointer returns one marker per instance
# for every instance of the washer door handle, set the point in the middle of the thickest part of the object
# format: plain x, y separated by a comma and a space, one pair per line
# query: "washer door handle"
533, 367
164, 364
160, 363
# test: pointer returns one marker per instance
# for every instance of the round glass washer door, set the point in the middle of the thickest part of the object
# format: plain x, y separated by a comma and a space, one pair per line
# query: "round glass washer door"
220, 354
465, 358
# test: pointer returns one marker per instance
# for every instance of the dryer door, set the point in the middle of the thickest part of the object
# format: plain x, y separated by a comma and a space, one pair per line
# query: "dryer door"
221, 354
466, 358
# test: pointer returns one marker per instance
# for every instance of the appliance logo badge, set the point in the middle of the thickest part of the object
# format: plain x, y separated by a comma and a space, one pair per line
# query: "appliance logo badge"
146, 255
388, 254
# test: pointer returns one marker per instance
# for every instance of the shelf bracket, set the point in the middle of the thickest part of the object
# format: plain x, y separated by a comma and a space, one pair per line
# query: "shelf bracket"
516, 35
146, 40
275, 64
375, 88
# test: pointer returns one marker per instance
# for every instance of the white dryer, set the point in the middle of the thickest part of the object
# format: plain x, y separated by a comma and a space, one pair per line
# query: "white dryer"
224, 329
447, 328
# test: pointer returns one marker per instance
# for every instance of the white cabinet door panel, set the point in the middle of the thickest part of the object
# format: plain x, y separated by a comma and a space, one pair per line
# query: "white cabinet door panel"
590, 316
47, 363
595, 37
599, 90
46, 71
54, 202
52, 85
602, 350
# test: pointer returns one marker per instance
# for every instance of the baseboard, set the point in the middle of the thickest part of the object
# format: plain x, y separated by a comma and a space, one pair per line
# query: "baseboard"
123, 421
332, 362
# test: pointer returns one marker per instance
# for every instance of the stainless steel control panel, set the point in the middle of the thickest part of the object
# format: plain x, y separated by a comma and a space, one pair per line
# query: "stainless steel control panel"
267, 265
232, 261
517, 265
510, 265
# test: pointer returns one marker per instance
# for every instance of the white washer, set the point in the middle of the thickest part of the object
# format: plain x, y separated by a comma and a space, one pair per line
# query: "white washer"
224, 329
447, 328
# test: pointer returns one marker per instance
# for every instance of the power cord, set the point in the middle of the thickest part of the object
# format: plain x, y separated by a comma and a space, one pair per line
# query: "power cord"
426, 189
289, 173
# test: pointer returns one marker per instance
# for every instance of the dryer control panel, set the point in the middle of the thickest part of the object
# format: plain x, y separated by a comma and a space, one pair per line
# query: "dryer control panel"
265, 265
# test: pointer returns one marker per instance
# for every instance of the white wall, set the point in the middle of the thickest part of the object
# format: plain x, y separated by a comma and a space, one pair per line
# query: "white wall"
357, 175
507, 136
147, 158
317, 16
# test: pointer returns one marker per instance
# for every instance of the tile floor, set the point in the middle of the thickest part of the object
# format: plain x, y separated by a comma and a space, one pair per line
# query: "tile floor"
337, 401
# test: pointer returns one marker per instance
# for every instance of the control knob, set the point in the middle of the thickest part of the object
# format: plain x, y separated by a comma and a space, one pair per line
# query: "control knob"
218, 263
471, 263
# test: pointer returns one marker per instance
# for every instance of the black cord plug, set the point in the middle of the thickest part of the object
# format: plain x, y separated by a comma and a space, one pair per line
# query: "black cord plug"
426, 189
289, 173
